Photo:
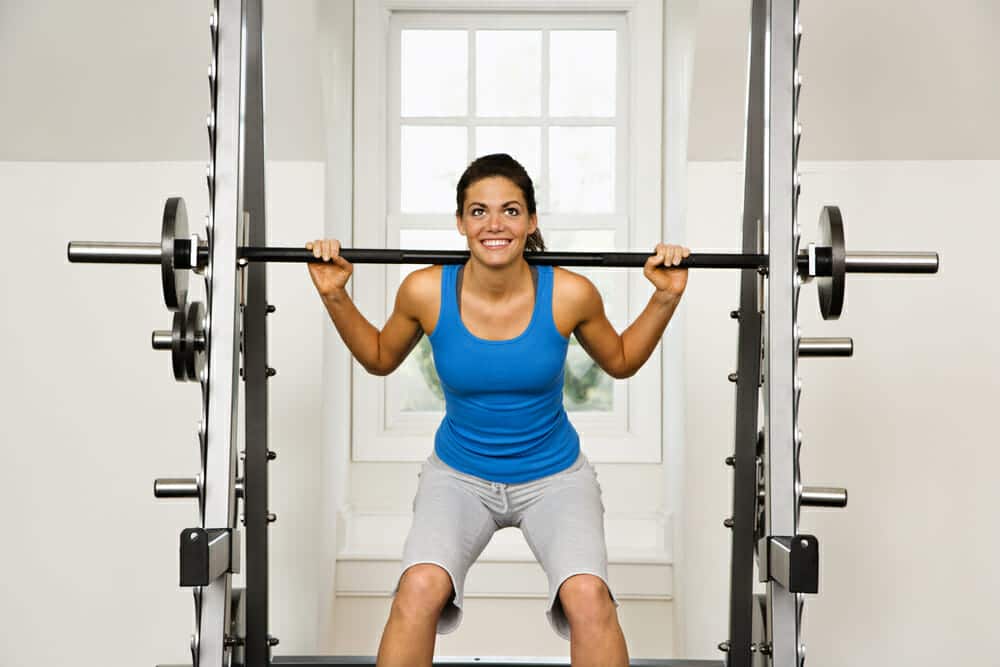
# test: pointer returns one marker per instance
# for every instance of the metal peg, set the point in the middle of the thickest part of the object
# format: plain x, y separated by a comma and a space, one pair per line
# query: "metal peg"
823, 496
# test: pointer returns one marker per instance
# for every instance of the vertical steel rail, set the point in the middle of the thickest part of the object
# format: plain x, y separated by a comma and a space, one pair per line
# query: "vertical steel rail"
255, 363
780, 355
223, 339
748, 369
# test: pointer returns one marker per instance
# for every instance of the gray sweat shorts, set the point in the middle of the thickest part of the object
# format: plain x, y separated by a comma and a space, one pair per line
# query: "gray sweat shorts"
561, 517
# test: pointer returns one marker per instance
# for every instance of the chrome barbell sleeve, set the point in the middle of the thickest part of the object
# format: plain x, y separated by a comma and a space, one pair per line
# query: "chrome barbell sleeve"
826, 347
110, 252
184, 487
892, 262
823, 496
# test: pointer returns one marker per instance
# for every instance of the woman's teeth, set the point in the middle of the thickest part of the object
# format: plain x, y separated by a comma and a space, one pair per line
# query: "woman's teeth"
496, 243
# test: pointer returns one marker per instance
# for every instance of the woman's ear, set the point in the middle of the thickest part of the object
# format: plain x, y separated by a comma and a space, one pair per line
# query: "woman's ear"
459, 224
533, 223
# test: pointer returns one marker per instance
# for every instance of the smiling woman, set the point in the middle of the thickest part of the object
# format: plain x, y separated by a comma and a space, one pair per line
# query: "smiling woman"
494, 170
505, 453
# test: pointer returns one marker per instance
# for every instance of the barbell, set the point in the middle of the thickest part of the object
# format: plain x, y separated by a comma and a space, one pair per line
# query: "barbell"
179, 252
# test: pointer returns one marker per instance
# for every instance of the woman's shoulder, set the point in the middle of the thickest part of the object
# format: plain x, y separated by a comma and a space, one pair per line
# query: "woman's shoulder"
421, 288
572, 286
574, 300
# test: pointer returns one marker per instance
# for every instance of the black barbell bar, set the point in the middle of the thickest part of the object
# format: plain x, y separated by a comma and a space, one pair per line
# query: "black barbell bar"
89, 252
92, 252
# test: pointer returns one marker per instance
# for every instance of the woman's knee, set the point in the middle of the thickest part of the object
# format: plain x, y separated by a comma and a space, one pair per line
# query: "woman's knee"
424, 587
586, 600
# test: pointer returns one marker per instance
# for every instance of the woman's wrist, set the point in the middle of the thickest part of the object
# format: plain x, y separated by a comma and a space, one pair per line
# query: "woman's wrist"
335, 296
666, 298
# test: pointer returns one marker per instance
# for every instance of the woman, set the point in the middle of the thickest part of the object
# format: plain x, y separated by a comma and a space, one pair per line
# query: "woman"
505, 453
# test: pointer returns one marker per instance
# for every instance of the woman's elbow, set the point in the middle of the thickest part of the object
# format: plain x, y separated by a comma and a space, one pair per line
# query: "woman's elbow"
620, 371
375, 368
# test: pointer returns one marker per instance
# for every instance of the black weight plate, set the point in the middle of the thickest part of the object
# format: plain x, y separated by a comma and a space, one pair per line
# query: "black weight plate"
173, 269
831, 288
194, 341
177, 352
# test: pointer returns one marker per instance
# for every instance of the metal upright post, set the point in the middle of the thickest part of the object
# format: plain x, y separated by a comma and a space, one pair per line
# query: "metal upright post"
255, 363
210, 649
780, 343
748, 369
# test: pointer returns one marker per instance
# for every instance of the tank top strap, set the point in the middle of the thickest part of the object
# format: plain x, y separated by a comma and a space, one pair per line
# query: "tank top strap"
544, 296
448, 308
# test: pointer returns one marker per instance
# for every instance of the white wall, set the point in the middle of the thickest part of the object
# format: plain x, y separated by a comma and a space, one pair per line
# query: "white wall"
90, 415
907, 425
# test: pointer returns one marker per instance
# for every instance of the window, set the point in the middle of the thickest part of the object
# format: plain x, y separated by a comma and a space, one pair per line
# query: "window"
553, 90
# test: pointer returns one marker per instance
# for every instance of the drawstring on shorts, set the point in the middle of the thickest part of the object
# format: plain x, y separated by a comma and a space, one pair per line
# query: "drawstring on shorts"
501, 490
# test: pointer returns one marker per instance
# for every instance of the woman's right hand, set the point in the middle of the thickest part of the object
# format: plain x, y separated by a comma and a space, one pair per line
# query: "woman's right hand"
332, 274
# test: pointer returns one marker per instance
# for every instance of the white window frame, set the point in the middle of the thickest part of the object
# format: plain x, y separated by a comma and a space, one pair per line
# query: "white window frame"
381, 433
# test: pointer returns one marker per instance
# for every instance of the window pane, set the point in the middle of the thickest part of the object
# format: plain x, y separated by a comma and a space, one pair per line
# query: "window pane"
524, 144
508, 73
434, 72
582, 73
431, 161
582, 169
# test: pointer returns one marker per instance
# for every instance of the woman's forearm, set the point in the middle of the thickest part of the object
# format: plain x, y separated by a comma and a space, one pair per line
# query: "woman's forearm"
360, 335
642, 336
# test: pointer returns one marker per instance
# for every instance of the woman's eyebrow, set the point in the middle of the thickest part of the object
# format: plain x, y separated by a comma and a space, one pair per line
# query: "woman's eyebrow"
507, 203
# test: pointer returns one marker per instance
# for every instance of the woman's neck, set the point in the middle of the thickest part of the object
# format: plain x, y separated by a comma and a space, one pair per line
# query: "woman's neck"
496, 284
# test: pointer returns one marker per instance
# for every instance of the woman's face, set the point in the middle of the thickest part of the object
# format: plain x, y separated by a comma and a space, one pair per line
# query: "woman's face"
495, 221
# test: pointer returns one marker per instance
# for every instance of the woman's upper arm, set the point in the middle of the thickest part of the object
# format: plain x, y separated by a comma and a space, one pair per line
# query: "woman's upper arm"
402, 331
592, 328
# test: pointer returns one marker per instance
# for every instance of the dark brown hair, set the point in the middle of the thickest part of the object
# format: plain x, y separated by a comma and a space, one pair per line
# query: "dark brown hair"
501, 164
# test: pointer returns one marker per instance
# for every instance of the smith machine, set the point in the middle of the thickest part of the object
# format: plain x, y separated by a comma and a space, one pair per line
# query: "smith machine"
222, 345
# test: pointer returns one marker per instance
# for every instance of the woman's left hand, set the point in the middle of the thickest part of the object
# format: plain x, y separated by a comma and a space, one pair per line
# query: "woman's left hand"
668, 281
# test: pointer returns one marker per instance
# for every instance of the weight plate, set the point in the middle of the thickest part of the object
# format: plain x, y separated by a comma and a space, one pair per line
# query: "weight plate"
173, 269
177, 352
194, 341
831, 288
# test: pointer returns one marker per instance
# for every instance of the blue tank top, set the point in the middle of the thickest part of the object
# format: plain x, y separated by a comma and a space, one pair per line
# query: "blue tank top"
504, 417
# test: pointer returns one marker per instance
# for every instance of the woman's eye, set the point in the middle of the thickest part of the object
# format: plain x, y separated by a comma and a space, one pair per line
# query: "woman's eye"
514, 210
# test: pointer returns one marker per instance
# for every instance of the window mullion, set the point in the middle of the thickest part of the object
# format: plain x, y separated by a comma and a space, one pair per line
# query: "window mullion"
544, 176
472, 101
